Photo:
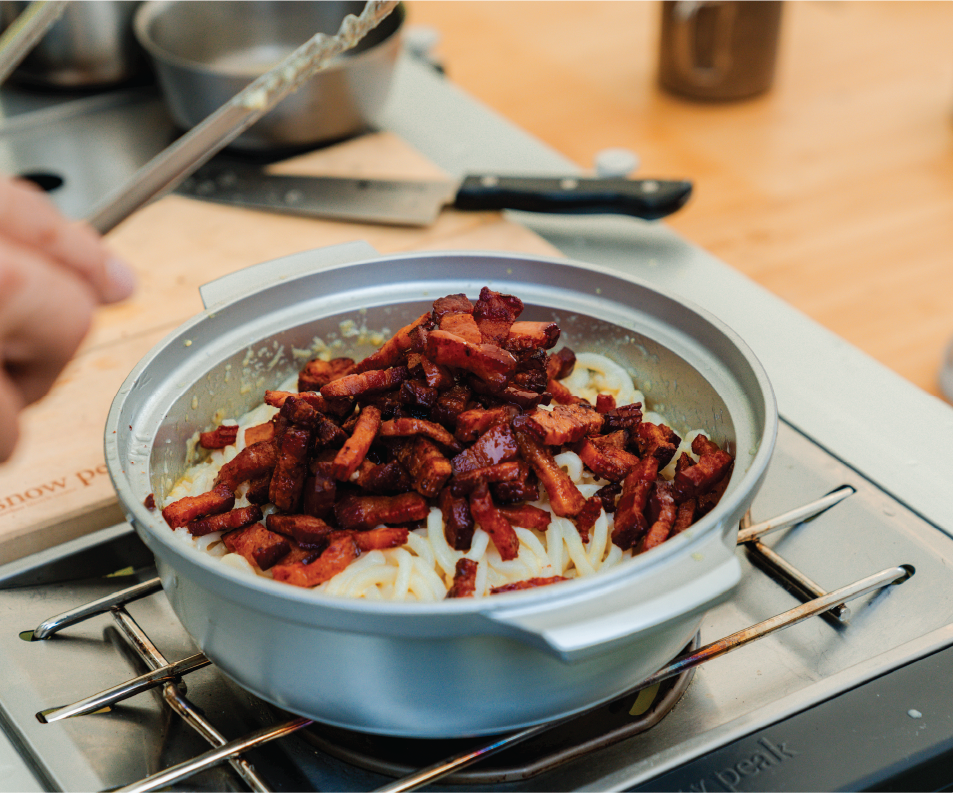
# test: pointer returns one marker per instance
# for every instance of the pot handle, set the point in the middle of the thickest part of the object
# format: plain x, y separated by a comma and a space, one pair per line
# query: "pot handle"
595, 624
254, 277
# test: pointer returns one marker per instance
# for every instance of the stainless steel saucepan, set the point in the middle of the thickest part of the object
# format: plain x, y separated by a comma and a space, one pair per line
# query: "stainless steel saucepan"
461, 667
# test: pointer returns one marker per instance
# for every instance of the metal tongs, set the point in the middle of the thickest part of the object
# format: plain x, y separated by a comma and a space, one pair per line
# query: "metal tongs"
23, 34
206, 139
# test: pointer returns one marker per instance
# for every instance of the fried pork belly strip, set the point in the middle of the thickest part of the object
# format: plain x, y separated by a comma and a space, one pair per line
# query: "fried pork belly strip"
222, 436
405, 426
394, 349
630, 522
252, 462
368, 382
184, 511
661, 502
565, 423
531, 336
258, 545
304, 529
429, 469
318, 373
355, 449
529, 583
606, 456
291, 467
335, 558
488, 362
492, 521
564, 497
495, 314
457, 519
225, 521
712, 466
367, 512
464, 579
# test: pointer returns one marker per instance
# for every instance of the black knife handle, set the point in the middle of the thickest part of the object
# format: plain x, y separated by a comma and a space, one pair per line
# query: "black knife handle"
649, 199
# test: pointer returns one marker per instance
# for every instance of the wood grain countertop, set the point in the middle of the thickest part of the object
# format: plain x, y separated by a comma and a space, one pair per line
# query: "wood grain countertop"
834, 190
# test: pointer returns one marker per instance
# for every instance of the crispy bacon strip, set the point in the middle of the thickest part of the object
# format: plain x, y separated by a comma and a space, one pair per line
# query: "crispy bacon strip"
493, 523
466, 481
457, 519
531, 336
560, 364
587, 517
462, 325
562, 395
662, 503
712, 466
382, 478
319, 492
450, 404
565, 423
450, 304
524, 488
685, 516
529, 583
222, 436
379, 539
404, 427
487, 361
437, 376
335, 558
464, 579
258, 545
526, 516
225, 521
495, 314
426, 464
471, 424
252, 462
605, 403
318, 373
608, 495
334, 407
657, 440
564, 497
393, 350
220, 498
367, 512
260, 432
496, 445
291, 467
304, 529
374, 381
604, 456
355, 449
623, 417
630, 523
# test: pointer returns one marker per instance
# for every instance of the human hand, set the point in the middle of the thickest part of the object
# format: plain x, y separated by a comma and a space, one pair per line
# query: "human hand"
53, 274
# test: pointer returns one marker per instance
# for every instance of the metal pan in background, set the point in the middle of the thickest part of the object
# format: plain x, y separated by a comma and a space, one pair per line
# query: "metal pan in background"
204, 53
454, 668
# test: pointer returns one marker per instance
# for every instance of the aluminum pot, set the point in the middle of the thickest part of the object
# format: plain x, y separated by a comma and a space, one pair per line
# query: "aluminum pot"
91, 45
461, 667
205, 53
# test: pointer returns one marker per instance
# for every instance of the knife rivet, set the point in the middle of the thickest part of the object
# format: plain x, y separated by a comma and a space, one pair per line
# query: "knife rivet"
650, 186
293, 196
489, 181
569, 184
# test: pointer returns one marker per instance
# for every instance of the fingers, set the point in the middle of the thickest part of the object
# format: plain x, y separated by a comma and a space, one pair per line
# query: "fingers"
29, 218
10, 405
45, 312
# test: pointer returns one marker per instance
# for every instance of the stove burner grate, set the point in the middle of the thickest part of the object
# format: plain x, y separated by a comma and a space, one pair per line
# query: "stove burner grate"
551, 744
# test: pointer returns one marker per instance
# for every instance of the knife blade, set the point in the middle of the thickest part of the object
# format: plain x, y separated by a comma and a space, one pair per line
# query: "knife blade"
407, 202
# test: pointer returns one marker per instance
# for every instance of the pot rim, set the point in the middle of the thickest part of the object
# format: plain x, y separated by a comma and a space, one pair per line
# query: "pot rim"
150, 9
153, 529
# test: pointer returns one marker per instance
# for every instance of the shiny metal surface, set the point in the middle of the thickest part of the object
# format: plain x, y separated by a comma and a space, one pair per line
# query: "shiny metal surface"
91, 45
205, 53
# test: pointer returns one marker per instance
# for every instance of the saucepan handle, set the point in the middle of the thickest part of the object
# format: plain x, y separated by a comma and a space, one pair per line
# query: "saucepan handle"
577, 631
257, 276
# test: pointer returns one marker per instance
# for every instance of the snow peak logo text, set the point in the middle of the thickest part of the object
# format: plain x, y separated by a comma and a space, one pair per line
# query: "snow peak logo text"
744, 771
14, 502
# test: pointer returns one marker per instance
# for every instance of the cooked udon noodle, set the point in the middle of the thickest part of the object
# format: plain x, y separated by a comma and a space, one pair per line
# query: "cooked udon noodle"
423, 568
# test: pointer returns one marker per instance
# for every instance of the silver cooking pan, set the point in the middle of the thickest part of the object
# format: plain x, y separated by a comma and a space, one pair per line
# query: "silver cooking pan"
461, 667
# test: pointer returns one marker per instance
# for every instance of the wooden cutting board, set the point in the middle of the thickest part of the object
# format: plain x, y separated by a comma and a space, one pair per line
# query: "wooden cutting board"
56, 486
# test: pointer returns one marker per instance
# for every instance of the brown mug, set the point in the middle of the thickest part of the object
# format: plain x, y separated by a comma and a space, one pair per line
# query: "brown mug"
718, 49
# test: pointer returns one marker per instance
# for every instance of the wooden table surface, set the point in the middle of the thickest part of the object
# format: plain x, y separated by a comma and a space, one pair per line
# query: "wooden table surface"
834, 190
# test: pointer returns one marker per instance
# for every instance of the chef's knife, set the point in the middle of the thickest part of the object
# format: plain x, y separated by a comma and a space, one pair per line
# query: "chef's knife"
418, 203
